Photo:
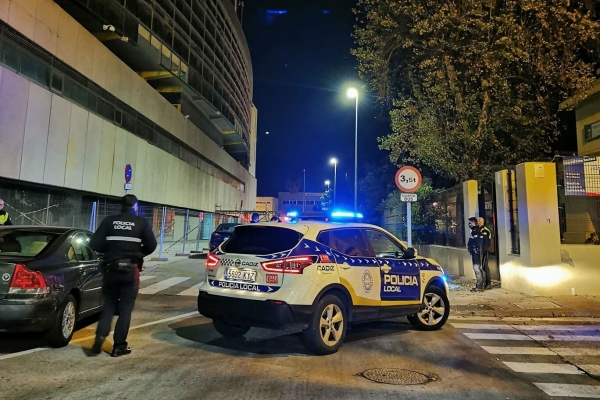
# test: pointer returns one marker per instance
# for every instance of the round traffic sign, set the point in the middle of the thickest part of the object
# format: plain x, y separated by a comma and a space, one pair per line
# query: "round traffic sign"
408, 179
128, 173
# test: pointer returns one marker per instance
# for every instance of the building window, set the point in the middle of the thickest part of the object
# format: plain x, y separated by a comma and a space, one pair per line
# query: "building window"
286, 202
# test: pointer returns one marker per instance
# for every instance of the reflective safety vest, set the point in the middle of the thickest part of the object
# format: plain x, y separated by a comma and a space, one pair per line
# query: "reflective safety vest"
3, 217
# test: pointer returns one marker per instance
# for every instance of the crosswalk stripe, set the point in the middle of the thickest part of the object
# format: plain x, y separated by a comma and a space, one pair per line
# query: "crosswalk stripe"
146, 277
570, 390
193, 291
460, 325
522, 319
496, 336
543, 368
162, 285
566, 338
539, 351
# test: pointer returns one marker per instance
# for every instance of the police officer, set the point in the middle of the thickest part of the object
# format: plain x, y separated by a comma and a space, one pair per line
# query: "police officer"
486, 240
124, 239
4, 218
474, 246
255, 218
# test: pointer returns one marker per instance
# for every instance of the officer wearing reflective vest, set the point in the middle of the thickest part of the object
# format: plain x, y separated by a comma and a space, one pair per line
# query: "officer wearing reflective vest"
4, 218
486, 240
124, 239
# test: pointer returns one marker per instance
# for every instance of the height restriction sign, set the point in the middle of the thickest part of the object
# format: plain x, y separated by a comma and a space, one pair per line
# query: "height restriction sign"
408, 179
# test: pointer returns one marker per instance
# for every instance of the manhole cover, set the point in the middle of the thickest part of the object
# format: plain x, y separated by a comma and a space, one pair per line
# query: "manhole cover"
397, 376
536, 305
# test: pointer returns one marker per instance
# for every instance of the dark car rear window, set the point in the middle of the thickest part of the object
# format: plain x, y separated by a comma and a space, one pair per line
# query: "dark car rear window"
256, 239
24, 243
226, 227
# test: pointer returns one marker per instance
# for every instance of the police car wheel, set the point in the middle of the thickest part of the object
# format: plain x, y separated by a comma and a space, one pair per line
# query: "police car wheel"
61, 333
228, 330
327, 329
434, 314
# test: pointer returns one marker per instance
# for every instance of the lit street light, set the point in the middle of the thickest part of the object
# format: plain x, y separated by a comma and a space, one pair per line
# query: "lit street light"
327, 183
353, 94
334, 161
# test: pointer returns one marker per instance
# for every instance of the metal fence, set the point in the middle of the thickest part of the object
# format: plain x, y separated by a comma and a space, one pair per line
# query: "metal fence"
178, 230
579, 215
440, 219
513, 212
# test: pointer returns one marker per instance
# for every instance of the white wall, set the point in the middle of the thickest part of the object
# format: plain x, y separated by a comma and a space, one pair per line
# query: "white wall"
45, 23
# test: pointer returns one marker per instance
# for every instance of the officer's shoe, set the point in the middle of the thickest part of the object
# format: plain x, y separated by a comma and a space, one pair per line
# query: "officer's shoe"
488, 287
118, 352
97, 347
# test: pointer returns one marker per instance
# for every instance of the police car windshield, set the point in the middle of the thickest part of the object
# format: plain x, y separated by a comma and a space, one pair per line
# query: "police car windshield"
24, 243
257, 239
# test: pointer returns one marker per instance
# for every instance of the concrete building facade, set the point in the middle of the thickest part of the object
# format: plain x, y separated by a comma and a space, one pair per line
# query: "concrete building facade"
89, 87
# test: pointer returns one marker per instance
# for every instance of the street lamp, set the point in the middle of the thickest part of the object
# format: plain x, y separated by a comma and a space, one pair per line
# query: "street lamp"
327, 183
334, 161
353, 94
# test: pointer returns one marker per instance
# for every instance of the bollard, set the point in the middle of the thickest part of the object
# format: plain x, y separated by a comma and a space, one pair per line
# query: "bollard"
198, 235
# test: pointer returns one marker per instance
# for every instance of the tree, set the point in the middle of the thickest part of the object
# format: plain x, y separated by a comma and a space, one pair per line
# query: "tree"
474, 84
374, 187
326, 200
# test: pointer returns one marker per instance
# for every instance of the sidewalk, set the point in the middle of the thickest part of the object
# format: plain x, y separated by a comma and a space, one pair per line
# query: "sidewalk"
170, 252
498, 302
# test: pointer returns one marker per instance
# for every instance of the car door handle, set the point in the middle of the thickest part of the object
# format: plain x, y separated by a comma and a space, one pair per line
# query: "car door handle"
345, 266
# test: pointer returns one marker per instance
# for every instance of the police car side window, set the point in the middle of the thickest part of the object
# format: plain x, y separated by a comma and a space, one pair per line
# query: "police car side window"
349, 241
383, 245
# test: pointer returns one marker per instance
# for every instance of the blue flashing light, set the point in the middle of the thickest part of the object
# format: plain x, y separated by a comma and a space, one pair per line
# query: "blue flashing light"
292, 214
445, 278
358, 215
338, 214
325, 11
279, 12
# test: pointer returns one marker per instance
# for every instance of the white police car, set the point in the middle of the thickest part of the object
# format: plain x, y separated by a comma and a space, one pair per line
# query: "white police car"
319, 277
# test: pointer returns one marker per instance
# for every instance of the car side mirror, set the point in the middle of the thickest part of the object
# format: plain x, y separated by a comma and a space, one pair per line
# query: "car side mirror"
410, 253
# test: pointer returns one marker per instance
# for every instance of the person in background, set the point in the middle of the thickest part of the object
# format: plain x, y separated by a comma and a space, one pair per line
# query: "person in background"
124, 239
275, 219
486, 240
593, 239
255, 218
474, 246
4, 218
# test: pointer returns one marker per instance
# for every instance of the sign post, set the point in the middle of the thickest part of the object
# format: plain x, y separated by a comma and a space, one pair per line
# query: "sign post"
408, 179
128, 175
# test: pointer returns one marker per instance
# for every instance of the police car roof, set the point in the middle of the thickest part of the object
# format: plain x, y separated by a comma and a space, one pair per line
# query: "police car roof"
318, 225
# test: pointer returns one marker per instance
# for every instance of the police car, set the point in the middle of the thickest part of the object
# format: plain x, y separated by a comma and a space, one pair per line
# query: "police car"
319, 277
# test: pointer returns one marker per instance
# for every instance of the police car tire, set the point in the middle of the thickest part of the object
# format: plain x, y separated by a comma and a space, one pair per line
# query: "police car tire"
312, 335
417, 323
228, 330
55, 336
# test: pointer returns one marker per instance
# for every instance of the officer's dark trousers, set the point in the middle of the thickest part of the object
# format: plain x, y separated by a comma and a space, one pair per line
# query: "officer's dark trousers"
119, 299
486, 268
478, 270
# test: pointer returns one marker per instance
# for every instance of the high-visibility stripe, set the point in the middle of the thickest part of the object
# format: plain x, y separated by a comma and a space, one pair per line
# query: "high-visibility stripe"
3, 218
123, 239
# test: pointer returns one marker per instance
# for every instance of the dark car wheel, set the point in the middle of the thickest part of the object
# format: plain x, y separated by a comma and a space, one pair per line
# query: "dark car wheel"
327, 329
435, 312
61, 333
228, 330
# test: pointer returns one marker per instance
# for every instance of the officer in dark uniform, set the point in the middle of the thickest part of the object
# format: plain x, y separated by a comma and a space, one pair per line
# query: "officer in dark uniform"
255, 218
486, 240
474, 246
124, 239
4, 218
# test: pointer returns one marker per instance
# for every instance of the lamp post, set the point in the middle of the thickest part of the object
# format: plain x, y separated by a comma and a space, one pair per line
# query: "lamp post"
327, 183
334, 161
353, 94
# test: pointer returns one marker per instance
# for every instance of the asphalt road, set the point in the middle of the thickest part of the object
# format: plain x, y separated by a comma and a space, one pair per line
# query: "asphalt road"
177, 354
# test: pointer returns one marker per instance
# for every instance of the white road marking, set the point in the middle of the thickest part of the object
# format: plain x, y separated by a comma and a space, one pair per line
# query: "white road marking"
146, 277
162, 285
570, 390
576, 351
496, 336
543, 368
193, 291
539, 351
592, 369
83, 339
566, 338
523, 319
459, 325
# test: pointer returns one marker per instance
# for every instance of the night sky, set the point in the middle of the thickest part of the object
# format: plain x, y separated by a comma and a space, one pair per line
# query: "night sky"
302, 66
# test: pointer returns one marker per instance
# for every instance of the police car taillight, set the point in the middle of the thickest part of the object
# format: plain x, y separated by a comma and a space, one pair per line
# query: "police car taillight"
212, 261
293, 265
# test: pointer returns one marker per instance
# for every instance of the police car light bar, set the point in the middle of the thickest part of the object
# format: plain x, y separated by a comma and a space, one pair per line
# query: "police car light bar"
292, 214
345, 214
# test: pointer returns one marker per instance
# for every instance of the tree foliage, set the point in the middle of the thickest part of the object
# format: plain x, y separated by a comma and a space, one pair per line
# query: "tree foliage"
474, 84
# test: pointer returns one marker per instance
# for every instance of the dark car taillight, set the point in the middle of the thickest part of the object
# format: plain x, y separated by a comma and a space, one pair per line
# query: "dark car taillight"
25, 281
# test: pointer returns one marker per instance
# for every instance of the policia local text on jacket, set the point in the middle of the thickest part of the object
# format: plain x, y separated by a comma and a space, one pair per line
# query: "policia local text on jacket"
124, 239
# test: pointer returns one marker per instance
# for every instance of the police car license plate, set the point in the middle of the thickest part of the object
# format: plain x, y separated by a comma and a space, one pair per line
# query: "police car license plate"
238, 274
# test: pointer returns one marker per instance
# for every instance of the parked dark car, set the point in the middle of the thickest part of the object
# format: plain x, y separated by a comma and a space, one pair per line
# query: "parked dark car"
221, 234
49, 279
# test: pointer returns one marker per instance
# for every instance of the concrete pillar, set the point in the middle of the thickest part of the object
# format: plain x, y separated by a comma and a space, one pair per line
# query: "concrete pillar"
470, 204
539, 227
